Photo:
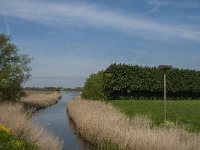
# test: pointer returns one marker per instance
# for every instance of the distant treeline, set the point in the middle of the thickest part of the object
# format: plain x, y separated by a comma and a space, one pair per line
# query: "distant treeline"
78, 89
43, 88
121, 81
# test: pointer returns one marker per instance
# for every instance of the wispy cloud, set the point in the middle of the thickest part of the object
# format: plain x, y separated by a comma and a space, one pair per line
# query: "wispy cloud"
6, 25
177, 4
84, 14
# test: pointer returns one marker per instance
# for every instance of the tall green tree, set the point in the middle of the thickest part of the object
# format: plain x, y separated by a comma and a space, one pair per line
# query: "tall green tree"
93, 87
14, 70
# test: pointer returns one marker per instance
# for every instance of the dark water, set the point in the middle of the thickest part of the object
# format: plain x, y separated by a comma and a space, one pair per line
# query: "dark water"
55, 119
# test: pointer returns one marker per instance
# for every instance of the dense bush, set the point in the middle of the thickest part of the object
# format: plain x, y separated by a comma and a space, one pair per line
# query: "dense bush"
93, 87
125, 81
121, 81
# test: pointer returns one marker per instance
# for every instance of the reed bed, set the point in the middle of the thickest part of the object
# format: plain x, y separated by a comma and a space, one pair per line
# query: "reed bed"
15, 117
40, 99
98, 122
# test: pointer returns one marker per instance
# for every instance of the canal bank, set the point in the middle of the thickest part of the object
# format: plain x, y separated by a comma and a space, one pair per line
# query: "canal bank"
55, 119
109, 128
19, 121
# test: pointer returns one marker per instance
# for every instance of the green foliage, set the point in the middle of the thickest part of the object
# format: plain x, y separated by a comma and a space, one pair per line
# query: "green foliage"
184, 113
121, 81
14, 70
8, 141
93, 87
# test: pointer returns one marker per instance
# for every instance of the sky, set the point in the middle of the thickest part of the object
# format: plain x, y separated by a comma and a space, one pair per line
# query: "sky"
70, 39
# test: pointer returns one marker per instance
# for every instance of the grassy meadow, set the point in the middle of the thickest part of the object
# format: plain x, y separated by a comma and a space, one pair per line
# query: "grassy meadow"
185, 113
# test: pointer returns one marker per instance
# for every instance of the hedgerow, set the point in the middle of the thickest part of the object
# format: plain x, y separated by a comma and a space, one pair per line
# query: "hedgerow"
122, 81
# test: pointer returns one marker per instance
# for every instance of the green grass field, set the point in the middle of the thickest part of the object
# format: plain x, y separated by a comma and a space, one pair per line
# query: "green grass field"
185, 113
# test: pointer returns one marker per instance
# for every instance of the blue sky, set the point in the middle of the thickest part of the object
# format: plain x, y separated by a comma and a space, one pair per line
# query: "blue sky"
70, 39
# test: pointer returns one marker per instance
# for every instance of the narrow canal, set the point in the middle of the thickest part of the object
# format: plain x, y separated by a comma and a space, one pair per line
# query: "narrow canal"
55, 119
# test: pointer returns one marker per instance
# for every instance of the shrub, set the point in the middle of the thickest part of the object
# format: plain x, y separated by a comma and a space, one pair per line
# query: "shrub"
93, 87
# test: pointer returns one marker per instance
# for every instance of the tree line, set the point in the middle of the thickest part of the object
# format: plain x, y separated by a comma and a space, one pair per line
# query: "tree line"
122, 81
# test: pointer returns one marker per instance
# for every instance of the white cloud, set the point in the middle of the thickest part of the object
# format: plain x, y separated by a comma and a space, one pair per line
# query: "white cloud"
180, 4
6, 25
82, 14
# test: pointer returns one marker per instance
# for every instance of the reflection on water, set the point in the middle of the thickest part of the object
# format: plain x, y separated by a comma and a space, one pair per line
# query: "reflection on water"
56, 119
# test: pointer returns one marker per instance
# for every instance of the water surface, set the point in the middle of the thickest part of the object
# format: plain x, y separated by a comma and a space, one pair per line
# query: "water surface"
55, 119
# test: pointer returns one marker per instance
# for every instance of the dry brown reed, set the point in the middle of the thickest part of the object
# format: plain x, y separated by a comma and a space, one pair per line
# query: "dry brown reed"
19, 121
40, 99
98, 121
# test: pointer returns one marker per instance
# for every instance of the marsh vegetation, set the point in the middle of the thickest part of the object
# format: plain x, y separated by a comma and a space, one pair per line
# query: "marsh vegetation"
39, 98
122, 105
102, 124
18, 120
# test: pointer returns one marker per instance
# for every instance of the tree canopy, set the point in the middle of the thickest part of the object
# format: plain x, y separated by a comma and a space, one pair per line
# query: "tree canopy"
14, 70
122, 81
